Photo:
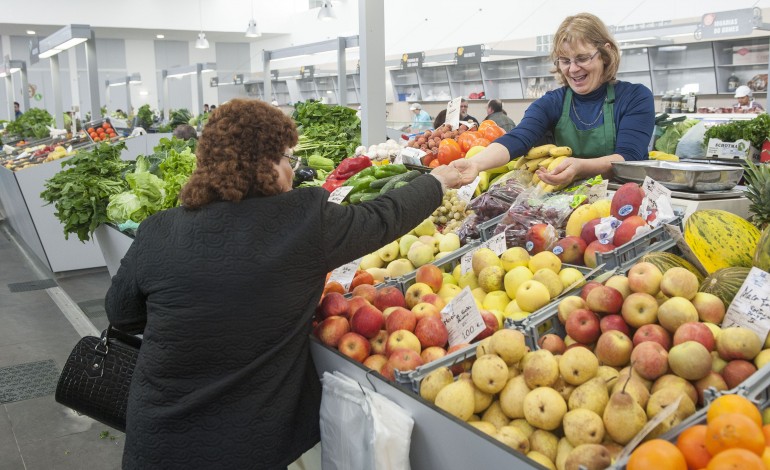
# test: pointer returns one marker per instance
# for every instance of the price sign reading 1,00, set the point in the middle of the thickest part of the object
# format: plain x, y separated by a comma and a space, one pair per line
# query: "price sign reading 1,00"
469, 331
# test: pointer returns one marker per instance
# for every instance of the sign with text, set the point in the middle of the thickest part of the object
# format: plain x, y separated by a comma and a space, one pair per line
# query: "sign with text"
412, 60
462, 318
345, 273
598, 191
738, 149
34, 50
410, 156
214, 82
465, 193
238, 79
469, 54
729, 23
338, 195
453, 113
307, 71
751, 306
274, 74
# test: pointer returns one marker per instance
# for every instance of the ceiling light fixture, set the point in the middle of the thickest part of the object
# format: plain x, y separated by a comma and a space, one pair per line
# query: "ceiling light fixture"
159, 36
252, 31
30, 32
326, 12
201, 42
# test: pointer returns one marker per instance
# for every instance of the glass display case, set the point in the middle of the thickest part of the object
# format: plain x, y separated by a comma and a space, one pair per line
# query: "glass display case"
256, 89
326, 89
536, 76
307, 89
502, 79
674, 66
465, 80
741, 62
406, 87
635, 66
434, 83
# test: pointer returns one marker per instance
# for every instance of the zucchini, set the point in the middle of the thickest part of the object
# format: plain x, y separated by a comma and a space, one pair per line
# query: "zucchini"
400, 184
407, 177
378, 184
318, 162
369, 196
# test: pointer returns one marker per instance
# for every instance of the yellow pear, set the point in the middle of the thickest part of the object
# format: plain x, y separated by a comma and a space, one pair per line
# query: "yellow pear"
457, 399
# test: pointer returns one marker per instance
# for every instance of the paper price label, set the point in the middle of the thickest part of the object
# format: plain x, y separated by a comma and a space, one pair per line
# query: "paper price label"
398, 160
465, 193
751, 306
338, 195
453, 113
598, 191
411, 156
69, 149
465, 262
687, 253
462, 318
23, 154
656, 207
496, 244
345, 273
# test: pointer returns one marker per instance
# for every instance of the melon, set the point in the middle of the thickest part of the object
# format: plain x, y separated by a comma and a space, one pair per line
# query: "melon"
762, 252
665, 261
725, 283
721, 239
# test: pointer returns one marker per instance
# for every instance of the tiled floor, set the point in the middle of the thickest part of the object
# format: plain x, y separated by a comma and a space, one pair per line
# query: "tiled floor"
38, 433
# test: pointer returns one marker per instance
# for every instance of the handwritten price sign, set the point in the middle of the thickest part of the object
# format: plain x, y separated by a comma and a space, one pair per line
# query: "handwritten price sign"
462, 318
345, 273
338, 195
496, 244
751, 306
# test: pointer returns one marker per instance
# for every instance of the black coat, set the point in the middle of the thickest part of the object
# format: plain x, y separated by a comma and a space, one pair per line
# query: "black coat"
225, 296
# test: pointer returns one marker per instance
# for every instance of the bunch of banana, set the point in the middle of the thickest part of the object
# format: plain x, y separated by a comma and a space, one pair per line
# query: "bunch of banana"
488, 177
656, 155
548, 157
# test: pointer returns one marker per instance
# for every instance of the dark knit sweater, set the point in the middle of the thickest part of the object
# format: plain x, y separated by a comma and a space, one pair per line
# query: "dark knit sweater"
225, 297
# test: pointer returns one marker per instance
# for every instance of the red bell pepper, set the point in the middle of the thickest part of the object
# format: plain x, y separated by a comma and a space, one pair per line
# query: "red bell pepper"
347, 168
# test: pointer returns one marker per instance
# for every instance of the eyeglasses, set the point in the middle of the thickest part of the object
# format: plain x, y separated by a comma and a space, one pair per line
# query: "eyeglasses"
580, 61
293, 160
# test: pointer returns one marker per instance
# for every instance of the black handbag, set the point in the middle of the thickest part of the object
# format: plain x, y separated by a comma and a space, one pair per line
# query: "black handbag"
97, 375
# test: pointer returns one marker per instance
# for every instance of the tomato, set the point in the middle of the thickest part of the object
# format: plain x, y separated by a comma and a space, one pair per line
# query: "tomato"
434, 163
466, 139
481, 141
90, 130
448, 151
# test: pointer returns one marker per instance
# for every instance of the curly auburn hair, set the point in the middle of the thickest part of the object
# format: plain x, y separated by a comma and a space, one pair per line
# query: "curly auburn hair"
236, 153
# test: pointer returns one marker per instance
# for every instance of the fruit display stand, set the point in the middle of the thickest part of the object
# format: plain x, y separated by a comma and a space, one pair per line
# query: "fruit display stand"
439, 440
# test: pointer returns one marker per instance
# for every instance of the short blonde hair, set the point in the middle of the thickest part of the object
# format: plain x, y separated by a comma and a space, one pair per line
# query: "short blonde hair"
589, 29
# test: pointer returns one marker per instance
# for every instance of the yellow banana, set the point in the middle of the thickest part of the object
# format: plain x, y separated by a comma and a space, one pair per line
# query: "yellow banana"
540, 151
521, 163
556, 161
535, 179
483, 180
545, 163
656, 155
533, 164
560, 152
513, 164
498, 170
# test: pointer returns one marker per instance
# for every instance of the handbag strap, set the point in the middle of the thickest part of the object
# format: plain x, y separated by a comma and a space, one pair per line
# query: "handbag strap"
102, 348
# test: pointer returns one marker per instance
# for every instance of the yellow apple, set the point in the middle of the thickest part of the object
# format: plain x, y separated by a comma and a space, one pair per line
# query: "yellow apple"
550, 280
448, 292
468, 279
570, 276
512, 257
496, 300
514, 278
532, 295
499, 315
545, 259
448, 279
474, 150
479, 294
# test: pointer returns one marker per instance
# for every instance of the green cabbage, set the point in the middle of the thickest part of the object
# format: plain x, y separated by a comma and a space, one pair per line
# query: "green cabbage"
674, 132
124, 207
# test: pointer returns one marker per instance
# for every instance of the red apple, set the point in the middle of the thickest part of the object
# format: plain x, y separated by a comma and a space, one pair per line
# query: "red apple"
553, 343
379, 342
626, 201
431, 275
736, 371
627, 230
570, 249
614, 322
695, 331
424, 309
653, 332
640, 309
588, 232
431, 332
583, 326
463, 366
415, 292
331, 330
367, 291
376, 362
367, 321
644, 277
400, 319
490, 320
589, 257
335, 304
614, 348
540, 237
432, 353
710, 307
403, 359
649, 360
713, 380
402, 339
569, 304
357, 302
354, 346
604, 300
389, 296
590, 285
435, 300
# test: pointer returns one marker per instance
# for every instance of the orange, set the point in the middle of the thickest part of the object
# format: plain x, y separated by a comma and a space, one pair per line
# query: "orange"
736, 459
481, 141
692, 444
766, 457
734, 404
733, 430
493, 132
766, 432
485, 124
657, 454
466, 139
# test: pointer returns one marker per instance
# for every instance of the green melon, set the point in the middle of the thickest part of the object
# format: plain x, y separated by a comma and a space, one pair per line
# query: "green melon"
665, 261
762, 252
725, 283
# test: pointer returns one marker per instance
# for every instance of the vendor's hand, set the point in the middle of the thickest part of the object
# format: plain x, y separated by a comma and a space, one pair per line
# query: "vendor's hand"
449, 176
467, 169
564, 173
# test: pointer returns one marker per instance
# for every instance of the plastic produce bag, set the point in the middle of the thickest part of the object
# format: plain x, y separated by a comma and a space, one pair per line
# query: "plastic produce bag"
392, 436
691, 144
346, 424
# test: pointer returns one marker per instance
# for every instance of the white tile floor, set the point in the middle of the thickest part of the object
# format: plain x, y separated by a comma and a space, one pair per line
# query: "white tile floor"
38, 433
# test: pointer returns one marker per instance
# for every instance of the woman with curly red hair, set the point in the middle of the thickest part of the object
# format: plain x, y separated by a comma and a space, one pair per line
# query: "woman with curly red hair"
224, 290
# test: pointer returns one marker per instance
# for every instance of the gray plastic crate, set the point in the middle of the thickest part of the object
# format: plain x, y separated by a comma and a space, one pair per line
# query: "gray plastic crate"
487, 229
446, 264
657, 239
413, 378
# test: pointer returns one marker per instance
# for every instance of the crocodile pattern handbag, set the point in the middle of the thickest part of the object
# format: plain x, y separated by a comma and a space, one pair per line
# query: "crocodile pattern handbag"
97, 375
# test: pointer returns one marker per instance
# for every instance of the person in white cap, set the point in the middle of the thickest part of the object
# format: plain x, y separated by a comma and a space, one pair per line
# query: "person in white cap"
421, 120
746, 102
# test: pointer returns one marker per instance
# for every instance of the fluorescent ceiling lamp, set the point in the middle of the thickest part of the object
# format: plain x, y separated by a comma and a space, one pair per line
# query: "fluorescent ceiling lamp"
252, 31
649, 38
135, 79
672, 48
63, 39
159, 36
326, 12
3, 74
143, 92
202, 42
179, 72
49, 53
680, 35
30, 32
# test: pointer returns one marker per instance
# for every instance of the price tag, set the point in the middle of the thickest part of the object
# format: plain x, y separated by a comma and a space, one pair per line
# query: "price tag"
23, 154
598, 191
676, 233
69, 149
656, 207
345, 273
398, 160
465, 262
462, 318
465, 193
411, 156
751, 306
496, 244
338, 195
453, 113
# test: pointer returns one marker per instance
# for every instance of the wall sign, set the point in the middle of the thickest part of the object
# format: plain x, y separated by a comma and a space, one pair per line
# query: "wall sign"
469, 54
728, 23
307, 71
412, 60
214, 82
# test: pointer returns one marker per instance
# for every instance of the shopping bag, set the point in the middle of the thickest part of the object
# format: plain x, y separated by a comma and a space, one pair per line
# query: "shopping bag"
346, 425
392, 433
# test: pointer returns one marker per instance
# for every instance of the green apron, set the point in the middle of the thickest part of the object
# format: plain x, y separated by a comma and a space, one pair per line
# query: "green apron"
590, 143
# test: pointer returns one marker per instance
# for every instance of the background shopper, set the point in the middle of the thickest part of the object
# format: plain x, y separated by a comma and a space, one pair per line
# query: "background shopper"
604, 120
421, 120
16, 111
496, 114
464, 116
225, 288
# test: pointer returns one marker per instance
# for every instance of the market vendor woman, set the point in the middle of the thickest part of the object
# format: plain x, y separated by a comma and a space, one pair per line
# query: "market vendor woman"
602, 119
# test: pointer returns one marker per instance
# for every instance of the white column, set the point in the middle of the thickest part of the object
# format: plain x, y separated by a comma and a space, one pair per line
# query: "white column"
371, 39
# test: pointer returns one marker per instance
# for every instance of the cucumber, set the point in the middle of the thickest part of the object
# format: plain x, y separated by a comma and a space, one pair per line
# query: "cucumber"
369, 196
378, 184
407, 177
355, 198
400, 184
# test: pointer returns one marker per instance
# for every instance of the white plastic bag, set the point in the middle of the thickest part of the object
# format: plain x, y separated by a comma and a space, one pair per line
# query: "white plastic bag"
346, 424
392, 436
691, 144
